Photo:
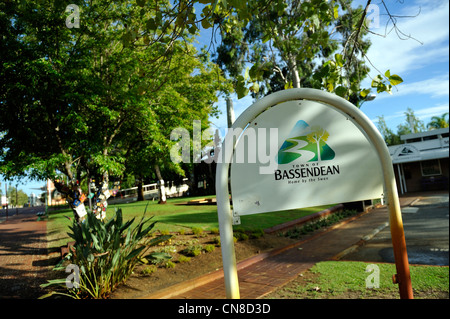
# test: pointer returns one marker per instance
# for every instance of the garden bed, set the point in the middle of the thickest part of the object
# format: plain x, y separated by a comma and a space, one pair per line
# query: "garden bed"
148, 278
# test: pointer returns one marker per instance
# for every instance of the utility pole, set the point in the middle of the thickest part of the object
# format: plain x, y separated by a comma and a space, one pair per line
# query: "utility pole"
17, 201
7, 199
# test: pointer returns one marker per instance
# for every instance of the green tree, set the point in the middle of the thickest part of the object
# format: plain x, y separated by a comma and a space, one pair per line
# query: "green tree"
389, 136
17, 197
438, 122
188, 95
70, 97
296, 43
74, 100
412, 124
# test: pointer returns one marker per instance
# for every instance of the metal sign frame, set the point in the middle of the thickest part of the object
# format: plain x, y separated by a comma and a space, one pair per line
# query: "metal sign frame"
222, 191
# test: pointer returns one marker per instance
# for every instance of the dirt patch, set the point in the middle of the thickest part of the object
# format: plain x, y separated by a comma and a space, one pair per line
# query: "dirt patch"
142, 282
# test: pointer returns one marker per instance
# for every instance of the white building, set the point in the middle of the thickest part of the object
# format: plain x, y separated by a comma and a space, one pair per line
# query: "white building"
421, 162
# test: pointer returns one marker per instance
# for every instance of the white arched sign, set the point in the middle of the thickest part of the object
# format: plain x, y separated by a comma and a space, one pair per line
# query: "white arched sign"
301, 148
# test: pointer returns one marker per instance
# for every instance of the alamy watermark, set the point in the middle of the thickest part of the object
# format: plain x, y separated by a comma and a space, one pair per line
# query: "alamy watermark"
252, 148
73, 280
73, 19
372, 16
373, 280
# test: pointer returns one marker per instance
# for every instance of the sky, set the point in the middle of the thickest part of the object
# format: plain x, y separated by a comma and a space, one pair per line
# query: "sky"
422, 61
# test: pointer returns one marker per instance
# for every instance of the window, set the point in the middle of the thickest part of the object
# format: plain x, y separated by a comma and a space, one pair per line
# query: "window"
414, 140
430, 168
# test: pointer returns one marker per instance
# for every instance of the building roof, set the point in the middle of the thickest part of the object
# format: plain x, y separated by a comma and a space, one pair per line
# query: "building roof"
421, 147
411, 136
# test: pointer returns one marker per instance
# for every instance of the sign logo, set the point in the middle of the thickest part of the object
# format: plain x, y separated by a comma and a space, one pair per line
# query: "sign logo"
307, 143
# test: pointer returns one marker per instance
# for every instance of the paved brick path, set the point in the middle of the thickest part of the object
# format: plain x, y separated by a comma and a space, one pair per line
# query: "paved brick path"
23, 254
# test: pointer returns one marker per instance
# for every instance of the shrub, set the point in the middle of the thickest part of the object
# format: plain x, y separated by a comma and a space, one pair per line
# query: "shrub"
149, 270
197, 231
164, 232
209, 248
184, 259
257, 234
158, 257
193, 250
214, 231
216, 240
240, 236
106, 253
296, 232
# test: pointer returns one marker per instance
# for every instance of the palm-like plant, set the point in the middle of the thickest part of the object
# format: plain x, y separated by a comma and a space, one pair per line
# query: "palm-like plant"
106, 253
438, 122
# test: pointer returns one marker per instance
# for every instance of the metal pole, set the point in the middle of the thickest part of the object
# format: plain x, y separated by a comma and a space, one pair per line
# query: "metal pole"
400, 177
17, 200
7, 199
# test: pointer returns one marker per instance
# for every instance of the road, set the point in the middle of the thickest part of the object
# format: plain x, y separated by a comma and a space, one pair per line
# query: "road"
426, 225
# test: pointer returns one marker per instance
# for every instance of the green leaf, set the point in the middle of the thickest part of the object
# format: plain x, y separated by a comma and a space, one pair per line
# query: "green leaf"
395, 79
330, 87
158, 257
151, 24
336, 11
341, 91
246, 74
364, 92
53, 282
135, 252
266, 38
288, 85
376, 81
140, 3
316, 21
206, 24
96, 242
339, 60
240, 88
387, 73
254, 88
159, 239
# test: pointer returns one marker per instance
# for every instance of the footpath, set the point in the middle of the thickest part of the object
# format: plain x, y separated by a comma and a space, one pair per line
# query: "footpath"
264, 273
23, 253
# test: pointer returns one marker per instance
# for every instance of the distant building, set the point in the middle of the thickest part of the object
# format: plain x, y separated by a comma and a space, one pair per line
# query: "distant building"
32, 199
421, 162
4, 200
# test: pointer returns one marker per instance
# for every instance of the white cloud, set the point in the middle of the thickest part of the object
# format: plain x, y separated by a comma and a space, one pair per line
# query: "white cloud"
431, 27
436, 87
423, 114
427, 113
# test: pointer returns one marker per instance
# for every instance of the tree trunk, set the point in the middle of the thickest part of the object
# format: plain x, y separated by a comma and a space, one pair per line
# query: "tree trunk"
140, 190
230, 112
292, 64
162, 189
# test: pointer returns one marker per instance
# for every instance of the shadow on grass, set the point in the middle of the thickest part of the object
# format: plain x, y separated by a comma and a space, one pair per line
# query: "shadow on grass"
205, 220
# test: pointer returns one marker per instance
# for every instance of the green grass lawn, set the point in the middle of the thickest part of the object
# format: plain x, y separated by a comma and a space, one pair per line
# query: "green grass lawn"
174, 216
340, 279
